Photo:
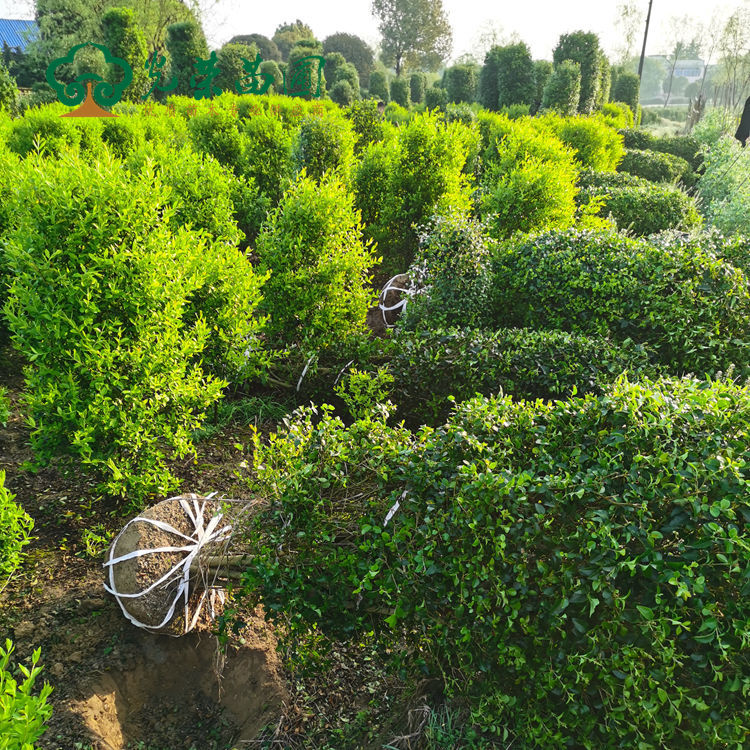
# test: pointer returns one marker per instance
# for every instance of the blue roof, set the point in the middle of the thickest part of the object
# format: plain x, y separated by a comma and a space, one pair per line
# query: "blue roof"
12, 32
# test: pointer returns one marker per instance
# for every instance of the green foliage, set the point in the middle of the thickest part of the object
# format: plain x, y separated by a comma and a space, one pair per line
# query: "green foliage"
627, 89
656, 167
362, 392
435, 97
347, 72
596, 145
218, 135
185, 43
98, 304
271, 68
617, 115
431, 366
124, 39
313, 247
334, 60
584, 597
288, 34
562, 91
734, 249
400, 91
355, 50
452, 273
366, 122
8, 91
123, 135
688, 307
515, 75
267, 155
266, 47
23, 716
542, 72
379, 86
323, 144
487, 85
605, 82
342, 93
230, 64
417, 86
44, 128
305, 48
15, 528
582, 48
4, 407
461, 83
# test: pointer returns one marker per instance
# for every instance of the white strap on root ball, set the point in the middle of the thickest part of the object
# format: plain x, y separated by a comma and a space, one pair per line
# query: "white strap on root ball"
152, 564
390, 303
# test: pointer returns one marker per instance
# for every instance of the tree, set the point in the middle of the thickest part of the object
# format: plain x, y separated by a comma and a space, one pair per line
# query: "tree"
266, 47
583, 48
288, 34
735, 57
417, 85
347, 72
305, 48
515, 75
355, 50
415, 32
488, 79
8, 92
231, 64
379, 85
684, 44
124, 39
605, 82
334, 60
342, 93
563, 90
185, 43
400, 91
271, 68
626, 90
461, 83
542, 72
629, 24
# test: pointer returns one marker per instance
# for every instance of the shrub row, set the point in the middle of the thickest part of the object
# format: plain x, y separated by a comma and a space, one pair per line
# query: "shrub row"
656, 167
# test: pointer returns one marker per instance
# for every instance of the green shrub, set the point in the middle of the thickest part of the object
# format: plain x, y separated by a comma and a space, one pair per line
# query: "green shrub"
342, 93
627, 90
417, 86
366, 123
595, 144
460, 113
8, 92
347, 72
684, 146
542, 72
688, 307
461, 83
451, 269
400, 91
23, 716
515, 75
312, 244
217, 134
429, 366
435, 98
15, 528
267, 155
575, 568
734, 249
656, 167
644, 210
323, 144
123, 135
516, 111
582, 48
563, 89
45, 128
98, 303
590, 179
379, 86
617, 115
396, 114
4, 407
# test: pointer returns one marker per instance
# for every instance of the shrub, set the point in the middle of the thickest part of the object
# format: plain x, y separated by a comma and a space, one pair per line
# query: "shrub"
542, 72
4, 407
435, 97
683, 146
217, 134
515, 75
656, 167
461, 83
452, 271
617, 115
644, 210
400, 91
99, 297
185, 43
590, 179
563, 89
8, 92
429, 366
124, 38
347, 72
595, 144
23, 716
582, 596
342, 93
313, 247
123, 135
462, 113
417, 86
627, 89
271, 68
516, 111
333, 61
582, 48
379, 86
734, 249
687, 306
15, 528
267, 155
323, 144
366, 123
44, 127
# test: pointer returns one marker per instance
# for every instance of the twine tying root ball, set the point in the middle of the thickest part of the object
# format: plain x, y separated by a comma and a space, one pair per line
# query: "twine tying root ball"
153, 566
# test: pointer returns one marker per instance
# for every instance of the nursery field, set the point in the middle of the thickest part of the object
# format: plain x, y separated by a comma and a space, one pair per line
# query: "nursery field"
504, 504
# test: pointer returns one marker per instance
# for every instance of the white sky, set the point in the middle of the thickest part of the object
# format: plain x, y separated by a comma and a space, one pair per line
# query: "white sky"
538, 22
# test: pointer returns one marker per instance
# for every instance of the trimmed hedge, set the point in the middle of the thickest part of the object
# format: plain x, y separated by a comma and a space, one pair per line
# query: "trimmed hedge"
692, 310
685, 146
656, 167
430, 366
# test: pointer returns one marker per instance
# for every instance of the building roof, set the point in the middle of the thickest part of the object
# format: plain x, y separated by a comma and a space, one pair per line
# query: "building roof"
12, 32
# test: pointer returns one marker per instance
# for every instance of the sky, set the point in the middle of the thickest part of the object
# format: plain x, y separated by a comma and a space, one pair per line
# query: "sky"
538, 22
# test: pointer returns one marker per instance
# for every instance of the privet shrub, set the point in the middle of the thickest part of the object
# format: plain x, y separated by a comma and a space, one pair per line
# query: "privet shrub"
98, 303
435, 97
595, 144
563, 89
451, 269
400, 91
688, 307
582, 48
123, 135
366, 123
267, 155
626, 89
324, 143
734, 249
461, 83
342, 93
44, 128
23, 716
217, 134
317, 296
594, 596
417, 86
515, 75
379, 86
686, 147
15, 528
655, 167
429, 366
4, 407
643, 210
617, 115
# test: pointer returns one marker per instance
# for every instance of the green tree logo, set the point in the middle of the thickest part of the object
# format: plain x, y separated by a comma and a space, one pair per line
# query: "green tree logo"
89, 90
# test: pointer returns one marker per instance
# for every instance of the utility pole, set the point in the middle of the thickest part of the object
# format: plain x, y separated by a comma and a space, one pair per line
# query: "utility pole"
645, 37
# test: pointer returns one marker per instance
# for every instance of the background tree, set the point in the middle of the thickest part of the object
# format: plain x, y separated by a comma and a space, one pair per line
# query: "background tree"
415, 32
488, 78
342, 93
379, 85
542, 72
271, 68
461, 83
400, 91
305, 48
563, 90
8, 92
231, 64
355, 51
734, 46
629, 25
185, 43
515, 75
124, 39
334, 60
288, 34
684, 44
417, 86
626, 89
347, 72
155, 16
266, 47
583, 48
605, 81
